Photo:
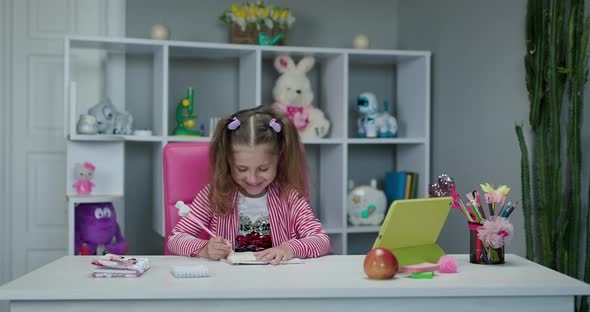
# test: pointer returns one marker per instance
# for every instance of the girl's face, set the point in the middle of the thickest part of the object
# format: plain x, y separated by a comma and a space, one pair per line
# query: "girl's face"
253, 168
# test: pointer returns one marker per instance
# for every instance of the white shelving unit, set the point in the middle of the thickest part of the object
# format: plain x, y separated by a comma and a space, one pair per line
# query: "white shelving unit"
229, 77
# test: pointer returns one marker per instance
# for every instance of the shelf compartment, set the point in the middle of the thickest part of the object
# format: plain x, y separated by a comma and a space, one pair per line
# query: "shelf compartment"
327, 83
107, 157
415, 158
223, 82
378, 159
143, 195
400, 79
366, 162
74, 200
325, 170
98, 69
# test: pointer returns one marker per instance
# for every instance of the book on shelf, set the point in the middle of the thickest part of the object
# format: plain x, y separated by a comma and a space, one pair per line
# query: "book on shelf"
400, 185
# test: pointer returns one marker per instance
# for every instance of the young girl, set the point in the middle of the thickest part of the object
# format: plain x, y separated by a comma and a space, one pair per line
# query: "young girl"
256, 200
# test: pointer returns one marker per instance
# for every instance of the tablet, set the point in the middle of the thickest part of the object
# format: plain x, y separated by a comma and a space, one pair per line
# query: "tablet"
411, 229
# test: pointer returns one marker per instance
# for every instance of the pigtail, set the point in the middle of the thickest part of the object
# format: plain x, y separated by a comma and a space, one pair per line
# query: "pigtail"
292, 163
219, 153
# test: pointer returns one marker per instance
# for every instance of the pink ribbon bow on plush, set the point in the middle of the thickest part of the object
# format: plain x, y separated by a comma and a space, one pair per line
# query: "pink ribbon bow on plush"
299, 115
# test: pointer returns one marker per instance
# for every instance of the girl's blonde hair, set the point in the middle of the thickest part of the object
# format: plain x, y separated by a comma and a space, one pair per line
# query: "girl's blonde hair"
254, 129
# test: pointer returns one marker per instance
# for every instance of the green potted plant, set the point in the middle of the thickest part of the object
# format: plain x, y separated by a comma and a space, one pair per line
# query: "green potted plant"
556, 63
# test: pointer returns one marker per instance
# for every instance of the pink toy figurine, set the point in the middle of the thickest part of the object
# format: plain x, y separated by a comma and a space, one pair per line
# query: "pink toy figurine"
84, 173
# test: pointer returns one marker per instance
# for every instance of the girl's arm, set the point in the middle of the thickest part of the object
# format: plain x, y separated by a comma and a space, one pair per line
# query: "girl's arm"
311, 239
184, 241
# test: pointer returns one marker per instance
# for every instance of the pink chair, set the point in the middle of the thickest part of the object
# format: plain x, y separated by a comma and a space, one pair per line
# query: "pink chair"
186, 172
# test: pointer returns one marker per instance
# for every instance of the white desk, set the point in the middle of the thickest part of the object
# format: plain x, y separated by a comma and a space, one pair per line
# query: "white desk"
332, 283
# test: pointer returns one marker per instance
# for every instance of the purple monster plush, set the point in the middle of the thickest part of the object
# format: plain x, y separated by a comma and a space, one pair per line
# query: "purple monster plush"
96, 226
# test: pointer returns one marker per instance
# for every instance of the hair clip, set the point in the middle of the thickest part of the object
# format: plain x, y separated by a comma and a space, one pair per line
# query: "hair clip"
275, 125
234, 124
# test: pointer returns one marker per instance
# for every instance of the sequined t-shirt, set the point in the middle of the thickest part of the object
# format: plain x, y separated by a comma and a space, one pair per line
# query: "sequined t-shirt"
254, 229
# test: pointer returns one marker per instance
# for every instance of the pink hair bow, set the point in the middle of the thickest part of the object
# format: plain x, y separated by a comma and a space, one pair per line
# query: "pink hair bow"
89, 166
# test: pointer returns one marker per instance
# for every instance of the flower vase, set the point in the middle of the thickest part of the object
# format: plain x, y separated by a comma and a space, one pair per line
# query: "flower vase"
253, 35
478, 252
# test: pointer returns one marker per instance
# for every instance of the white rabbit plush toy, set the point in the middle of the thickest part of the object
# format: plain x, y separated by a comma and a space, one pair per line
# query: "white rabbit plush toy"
293, 95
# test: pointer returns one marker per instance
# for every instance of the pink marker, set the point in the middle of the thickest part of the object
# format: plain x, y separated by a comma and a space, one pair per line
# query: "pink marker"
183, 207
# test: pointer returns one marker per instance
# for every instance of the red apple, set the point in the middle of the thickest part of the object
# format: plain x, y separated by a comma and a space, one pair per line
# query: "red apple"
381, 263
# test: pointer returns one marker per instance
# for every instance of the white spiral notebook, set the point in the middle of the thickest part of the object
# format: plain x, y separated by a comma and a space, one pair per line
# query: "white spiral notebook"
247, 257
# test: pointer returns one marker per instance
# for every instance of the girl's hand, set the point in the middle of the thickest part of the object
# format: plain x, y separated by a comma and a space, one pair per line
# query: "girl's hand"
276, 254
217, 248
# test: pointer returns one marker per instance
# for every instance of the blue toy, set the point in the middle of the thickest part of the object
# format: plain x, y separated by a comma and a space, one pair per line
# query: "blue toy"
373, 124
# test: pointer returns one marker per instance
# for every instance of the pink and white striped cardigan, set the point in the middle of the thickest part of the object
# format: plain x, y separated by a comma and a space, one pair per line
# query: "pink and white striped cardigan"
291, 221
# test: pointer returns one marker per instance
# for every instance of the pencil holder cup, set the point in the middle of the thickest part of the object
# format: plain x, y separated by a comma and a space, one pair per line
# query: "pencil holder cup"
480, 254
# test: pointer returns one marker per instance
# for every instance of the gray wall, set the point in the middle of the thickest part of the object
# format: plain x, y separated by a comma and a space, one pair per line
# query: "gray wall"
325, 23
478, 96
478, 93
5, 274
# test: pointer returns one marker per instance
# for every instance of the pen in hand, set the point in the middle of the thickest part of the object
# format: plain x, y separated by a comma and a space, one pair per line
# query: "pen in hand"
183, 207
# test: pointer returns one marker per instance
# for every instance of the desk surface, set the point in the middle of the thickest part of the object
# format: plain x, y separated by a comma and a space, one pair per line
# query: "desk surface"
326, 277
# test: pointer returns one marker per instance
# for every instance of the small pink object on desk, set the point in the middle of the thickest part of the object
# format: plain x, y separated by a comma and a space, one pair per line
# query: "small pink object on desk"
111, 265
446, 264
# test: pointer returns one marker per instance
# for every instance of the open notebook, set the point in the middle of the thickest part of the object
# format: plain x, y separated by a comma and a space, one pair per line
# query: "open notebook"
247, 257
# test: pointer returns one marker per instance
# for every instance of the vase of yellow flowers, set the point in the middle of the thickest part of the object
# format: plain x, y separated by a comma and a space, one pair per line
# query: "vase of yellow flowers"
257, 23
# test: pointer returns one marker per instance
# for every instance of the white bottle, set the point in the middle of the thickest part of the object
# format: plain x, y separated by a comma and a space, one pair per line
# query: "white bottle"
87, 125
